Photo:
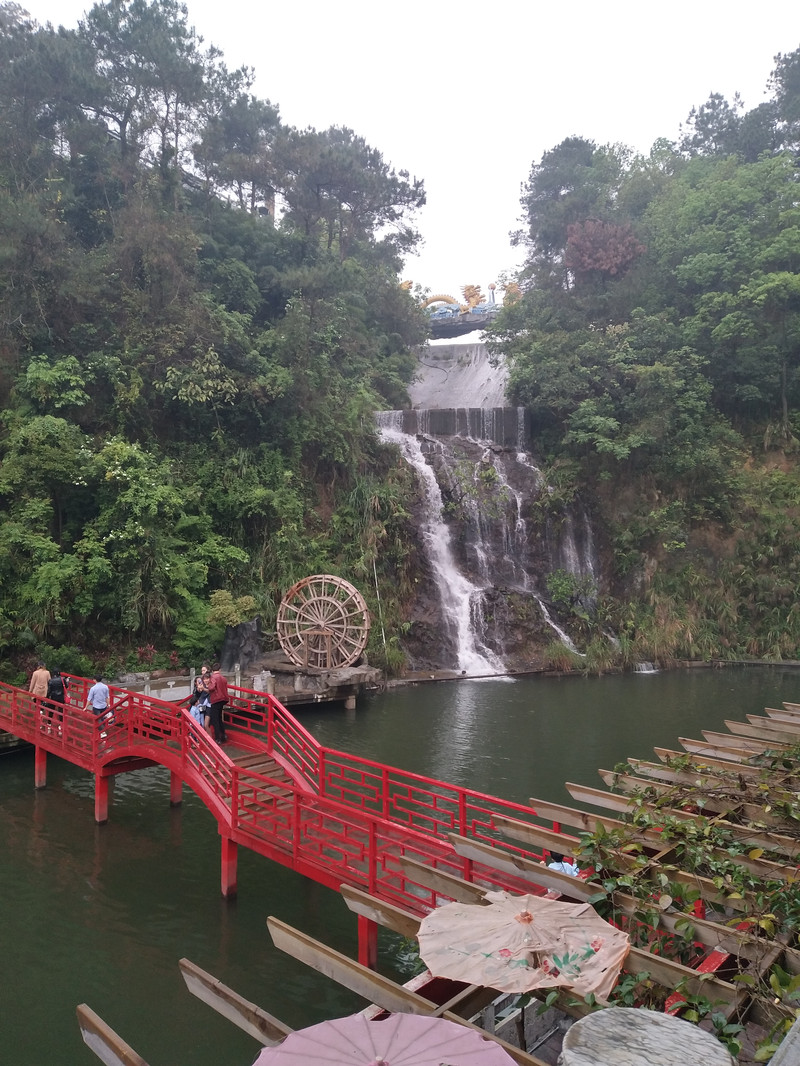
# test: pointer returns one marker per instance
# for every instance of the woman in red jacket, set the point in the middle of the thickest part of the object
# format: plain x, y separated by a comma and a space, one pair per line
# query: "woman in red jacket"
218, 695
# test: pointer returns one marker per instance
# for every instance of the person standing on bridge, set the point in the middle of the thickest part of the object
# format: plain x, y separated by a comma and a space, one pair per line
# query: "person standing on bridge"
56, 697
218, 695
39, 679
98, 698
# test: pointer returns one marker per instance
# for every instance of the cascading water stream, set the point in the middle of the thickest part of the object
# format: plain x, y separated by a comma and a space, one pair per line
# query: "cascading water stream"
459, 597
471, 454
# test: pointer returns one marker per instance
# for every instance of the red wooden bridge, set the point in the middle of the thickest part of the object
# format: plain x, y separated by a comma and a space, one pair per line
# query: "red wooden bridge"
336, 818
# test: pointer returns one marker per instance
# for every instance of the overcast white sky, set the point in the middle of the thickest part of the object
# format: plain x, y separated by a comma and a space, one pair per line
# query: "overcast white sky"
467, 96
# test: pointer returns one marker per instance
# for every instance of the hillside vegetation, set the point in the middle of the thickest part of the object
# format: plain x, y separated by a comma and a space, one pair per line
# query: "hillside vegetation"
187, 389
188, 379
656, 338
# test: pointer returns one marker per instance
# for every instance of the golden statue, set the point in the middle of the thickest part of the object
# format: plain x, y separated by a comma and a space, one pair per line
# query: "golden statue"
473, 295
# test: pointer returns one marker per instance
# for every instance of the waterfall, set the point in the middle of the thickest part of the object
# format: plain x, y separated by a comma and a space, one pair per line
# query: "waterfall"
488, 546
460, 599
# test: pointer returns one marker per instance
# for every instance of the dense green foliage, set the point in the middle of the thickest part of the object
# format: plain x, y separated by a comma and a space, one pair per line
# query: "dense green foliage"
186, 386
187, 377
657, 341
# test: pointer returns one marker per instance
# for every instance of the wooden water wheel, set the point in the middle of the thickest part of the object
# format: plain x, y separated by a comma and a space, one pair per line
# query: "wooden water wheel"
323, 621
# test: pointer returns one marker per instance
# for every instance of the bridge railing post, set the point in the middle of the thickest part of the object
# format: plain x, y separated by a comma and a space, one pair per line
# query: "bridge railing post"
235, 798
270, 724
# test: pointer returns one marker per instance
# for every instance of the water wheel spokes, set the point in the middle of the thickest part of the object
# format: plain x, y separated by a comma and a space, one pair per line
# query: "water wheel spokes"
323, 622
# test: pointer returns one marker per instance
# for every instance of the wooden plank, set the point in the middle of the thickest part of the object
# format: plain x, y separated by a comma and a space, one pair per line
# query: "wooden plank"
632, 785
371, 985
101, 1039
698, 778
563, 843
725, 765
777, 842
772, 737
669, 973
777, 723
574, 818
586, 794
377, 910
718, 751
536, 874
263, 1027
710, 934
783, 844
735, 743
440, 881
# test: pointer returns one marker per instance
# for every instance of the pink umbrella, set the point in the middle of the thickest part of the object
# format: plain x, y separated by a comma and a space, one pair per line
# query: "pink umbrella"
518, 943
399, 1040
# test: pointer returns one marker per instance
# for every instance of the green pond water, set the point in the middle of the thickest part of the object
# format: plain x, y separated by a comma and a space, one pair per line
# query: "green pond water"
101, 914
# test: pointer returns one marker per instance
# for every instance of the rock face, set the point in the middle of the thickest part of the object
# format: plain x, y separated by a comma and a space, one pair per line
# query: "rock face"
490, 529
242, 645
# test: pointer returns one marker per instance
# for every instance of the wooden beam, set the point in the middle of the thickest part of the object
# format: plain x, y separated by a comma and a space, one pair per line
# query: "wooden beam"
104, 1042
737, 743
586, 794
718, 751
726, 765
263, 1027
377, 910
631, 785
772, 737
697, 777
536, 874
779, 723
546, 839
574, 818
710, 934
371, 985
669, 973
440, 881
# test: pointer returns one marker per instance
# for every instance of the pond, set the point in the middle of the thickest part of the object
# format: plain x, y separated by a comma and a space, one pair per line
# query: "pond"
102, 914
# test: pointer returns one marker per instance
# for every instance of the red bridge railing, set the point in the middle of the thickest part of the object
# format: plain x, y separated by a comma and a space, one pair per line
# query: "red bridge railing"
405, 799
340, 818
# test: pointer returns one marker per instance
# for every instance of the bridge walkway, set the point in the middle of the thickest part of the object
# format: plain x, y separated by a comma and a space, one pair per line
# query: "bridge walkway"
336, 818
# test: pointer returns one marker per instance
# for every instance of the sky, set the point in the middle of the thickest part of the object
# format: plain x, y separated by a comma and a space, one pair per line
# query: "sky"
469, 96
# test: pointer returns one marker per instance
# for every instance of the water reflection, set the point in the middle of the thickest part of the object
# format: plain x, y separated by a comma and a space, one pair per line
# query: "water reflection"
101, 914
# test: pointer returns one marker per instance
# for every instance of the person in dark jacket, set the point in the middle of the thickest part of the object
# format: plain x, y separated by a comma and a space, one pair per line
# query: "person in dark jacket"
56, 696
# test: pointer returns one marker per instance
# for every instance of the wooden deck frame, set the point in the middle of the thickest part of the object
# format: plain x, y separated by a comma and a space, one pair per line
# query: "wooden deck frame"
372, 986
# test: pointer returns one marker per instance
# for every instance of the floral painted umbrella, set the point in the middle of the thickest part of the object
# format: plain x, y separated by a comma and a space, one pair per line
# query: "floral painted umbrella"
399, 1040
518, 943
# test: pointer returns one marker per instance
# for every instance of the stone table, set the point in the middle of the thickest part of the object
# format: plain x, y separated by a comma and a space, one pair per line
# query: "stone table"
626, 1036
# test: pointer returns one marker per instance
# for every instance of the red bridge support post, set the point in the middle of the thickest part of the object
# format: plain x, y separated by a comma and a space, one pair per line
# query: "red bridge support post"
101, 799
175, 790
39, 767
367, 942
230, 856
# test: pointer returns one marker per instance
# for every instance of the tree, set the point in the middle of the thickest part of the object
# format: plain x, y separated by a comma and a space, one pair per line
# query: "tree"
340, 190
150, 76
714, 127
600, 250
574, 181
237, 151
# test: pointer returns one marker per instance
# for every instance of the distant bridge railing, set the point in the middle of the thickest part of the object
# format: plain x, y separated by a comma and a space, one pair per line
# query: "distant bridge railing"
406, 799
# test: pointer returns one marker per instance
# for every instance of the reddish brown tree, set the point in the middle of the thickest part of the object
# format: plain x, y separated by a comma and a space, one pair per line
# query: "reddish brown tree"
599, 250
